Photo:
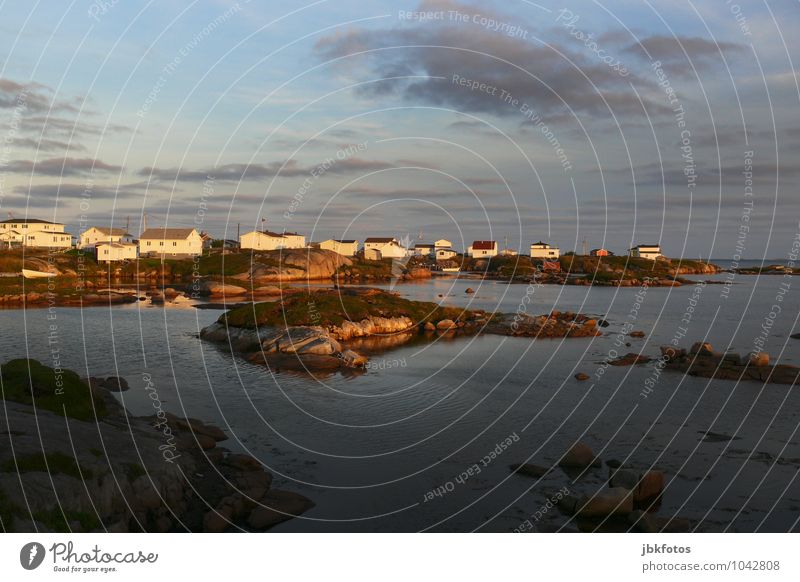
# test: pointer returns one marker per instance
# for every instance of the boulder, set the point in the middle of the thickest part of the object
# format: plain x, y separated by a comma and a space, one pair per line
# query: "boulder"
217, 520
446, 324
630, 359
580, 376
650, 487
353, 359
637, 334
115, 384
759, 359
277, 506
529, 470
209, 288
469, 290
702, 349
579, 456
623, 478
613, 501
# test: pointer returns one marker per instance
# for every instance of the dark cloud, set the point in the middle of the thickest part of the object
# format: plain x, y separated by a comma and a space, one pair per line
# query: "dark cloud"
237, 172
532, 73
678, 54
60, 167
48, 145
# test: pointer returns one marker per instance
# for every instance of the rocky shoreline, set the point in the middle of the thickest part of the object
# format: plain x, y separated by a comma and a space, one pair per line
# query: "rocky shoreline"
80, 462
314, 331
701, 360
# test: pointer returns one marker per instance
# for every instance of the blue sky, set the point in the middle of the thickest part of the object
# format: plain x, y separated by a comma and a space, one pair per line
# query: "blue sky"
130, 107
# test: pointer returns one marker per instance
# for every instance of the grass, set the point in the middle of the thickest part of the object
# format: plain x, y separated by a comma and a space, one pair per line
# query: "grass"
332, 307
47, 463
59, 391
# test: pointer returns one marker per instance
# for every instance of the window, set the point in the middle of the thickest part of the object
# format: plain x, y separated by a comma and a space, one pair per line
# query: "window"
24, 226
161, 244
174, 244
148, 243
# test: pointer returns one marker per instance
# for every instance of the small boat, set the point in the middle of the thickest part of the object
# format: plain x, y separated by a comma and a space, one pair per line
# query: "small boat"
450, 269
30, 274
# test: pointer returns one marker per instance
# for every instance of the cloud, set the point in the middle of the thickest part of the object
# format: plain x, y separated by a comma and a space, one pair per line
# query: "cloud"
60, 167
679, 53
532, 73
236, 172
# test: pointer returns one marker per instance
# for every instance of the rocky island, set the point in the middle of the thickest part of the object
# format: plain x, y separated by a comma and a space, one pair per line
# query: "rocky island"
312, 330
79, 462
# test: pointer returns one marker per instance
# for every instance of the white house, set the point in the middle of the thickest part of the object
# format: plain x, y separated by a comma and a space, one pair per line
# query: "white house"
171, 242
443, 243
115, 251
33, 232
266, 240
651, 252
97, 234
542, 250
445, 254
424, 249
347, 247
383, 248
482, 249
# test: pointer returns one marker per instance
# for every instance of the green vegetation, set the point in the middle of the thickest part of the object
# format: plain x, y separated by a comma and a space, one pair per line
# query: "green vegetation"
368, 269
59, 391
331, 307
47, 463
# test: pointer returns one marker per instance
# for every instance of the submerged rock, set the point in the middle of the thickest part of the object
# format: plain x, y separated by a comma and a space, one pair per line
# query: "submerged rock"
579, 456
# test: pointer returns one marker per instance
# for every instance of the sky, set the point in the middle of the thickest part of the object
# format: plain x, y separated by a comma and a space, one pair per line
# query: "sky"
617, 123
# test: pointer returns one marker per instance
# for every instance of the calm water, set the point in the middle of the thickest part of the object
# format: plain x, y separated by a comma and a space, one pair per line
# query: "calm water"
368, 448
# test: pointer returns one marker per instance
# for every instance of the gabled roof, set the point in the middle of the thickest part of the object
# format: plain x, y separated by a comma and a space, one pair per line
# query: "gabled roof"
166, 233
647, 246
27, 221
484, 245
116, 245
110, 231
424, 246
374, 239
344, 241
540, 244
